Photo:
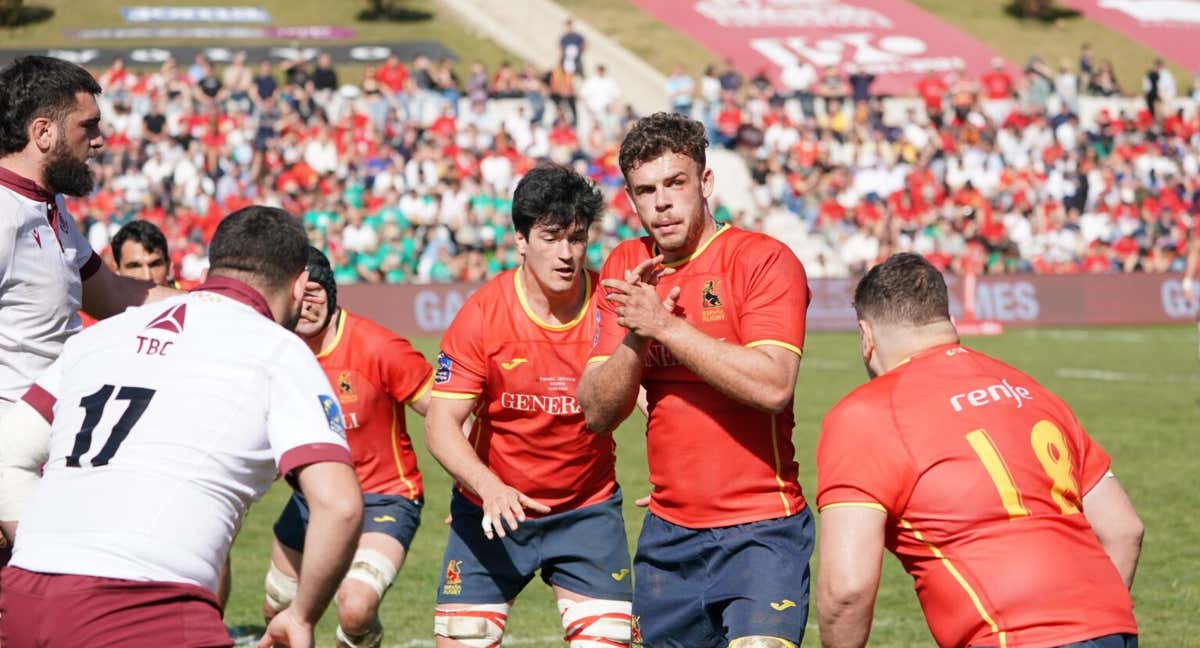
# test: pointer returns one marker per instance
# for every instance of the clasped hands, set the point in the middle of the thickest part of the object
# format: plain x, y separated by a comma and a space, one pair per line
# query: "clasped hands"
639, 308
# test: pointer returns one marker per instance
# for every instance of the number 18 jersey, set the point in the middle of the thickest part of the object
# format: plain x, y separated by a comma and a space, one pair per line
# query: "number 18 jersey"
982, 473
167, 421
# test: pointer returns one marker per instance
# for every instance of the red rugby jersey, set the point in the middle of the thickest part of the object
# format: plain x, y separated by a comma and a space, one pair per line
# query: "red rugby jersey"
713, 461
529, 429
981, 472
374, 373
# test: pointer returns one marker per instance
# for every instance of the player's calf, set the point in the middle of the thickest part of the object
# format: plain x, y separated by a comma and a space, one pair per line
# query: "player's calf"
478, 625
759, 641
595, 623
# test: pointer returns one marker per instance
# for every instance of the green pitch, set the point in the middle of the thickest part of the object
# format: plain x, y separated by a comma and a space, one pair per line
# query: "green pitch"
1136, 390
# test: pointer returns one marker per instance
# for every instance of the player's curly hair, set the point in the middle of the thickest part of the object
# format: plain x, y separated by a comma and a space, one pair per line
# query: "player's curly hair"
555, 198
905, 289
37, 86
661, 133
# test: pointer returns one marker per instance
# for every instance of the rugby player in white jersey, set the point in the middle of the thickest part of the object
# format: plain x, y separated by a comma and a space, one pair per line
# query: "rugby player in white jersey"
166, 422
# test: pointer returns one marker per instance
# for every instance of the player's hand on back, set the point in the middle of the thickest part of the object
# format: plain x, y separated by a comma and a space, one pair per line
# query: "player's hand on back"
287, 629
503, 504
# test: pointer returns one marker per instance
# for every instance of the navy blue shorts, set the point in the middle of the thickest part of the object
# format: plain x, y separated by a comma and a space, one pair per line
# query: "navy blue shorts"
584, 551
393, 515
700, 588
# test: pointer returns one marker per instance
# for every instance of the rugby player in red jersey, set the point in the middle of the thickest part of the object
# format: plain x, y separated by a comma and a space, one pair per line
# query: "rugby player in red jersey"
715, 337
374, 373
980, 480
535, 490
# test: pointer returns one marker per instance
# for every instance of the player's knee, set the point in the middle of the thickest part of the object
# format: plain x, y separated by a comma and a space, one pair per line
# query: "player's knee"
373, 569
595, 623
475, 626
369, 637
280, 591
357, 609
760, 641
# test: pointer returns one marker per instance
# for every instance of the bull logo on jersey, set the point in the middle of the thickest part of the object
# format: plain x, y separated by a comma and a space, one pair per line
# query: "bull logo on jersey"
171, 320
713, 309
346, 388
453, 580
444, 364
333, 414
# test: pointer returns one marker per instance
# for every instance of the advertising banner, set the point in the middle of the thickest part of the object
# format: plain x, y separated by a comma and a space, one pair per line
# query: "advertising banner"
1014, 300
149, 14
892, 39
153, 56
1168, 27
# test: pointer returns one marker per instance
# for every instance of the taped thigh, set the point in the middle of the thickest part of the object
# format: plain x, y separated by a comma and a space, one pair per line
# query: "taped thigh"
595, 623
479, 625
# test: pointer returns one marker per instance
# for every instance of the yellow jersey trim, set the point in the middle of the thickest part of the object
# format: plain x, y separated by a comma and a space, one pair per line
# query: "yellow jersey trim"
395, 434
583, 309
779, 343
871, 505
453, 395
787, 507
595, 359
339, 329
421, 391
937, 553
700, 250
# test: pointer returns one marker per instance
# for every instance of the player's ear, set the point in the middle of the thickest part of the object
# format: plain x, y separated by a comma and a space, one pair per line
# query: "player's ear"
521, 242
866, 340
707, 181
43, 132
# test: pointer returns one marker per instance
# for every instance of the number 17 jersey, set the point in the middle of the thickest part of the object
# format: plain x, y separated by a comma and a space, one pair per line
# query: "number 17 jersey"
981, 472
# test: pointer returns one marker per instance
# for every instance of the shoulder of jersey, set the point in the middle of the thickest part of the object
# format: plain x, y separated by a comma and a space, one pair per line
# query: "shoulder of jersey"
359, 327
867, 401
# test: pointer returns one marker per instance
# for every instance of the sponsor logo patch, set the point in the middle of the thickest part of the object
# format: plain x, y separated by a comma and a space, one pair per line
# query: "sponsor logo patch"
513, 364
333, 414
453, 581
444, 364
783, 605
620, 575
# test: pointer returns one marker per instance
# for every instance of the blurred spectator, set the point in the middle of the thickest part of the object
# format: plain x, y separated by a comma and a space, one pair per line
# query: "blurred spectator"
1103, 81
730, 78
324, 77
860, 83
1158, 87
681, 90
570, 46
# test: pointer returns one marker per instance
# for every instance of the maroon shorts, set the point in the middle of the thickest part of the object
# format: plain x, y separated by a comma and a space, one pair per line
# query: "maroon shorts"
69, 611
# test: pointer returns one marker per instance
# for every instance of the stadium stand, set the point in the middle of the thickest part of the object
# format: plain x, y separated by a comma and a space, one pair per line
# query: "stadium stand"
404, 175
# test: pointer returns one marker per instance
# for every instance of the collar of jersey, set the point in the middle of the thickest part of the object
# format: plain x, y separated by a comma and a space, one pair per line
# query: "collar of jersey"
700, 250
583, 309
25, 186
339, 328
926, 353
237, 291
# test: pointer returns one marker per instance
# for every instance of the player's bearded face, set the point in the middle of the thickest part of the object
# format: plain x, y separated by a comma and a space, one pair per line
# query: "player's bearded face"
67, 173
670, 194
554, 256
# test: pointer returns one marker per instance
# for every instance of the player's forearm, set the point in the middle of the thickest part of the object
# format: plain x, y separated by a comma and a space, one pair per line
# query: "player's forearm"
747, 375
334, 525
608, 390
844, 625
449, 446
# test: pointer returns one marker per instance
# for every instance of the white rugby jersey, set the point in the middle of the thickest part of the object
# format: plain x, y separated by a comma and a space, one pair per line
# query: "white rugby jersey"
168, 420
44, 259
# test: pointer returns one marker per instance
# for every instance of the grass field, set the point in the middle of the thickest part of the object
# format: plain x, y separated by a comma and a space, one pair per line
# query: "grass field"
1134, 389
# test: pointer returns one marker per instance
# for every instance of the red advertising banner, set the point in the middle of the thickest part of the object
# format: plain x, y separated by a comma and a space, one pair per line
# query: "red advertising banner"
1168, 27
892, 39
1015, 300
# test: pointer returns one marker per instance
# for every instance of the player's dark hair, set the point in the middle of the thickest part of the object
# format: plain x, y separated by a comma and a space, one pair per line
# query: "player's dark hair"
144, 233
905, 289
662, 133
37, 86
266, 243
320, 270
555, 198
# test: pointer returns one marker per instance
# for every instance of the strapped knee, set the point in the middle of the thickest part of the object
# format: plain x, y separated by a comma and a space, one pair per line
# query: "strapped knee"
760, 641
477, 626
374, 569
595, 623
371, 639
281, 588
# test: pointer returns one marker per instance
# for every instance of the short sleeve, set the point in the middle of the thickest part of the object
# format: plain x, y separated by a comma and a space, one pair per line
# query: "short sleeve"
42, 396
86, 260
405, 371
1093, 462
860, 459
461, 371
8, 243
775, 299
610, 334
304, 420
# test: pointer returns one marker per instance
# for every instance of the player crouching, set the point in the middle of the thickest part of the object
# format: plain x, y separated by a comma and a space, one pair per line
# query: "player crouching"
374, 373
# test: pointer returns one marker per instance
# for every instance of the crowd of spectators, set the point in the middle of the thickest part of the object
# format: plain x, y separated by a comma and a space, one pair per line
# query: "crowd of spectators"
405, 174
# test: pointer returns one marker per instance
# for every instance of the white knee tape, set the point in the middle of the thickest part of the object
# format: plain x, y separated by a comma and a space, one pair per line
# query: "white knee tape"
281, 588
370, 640
374, 569
477, 626
595, 623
